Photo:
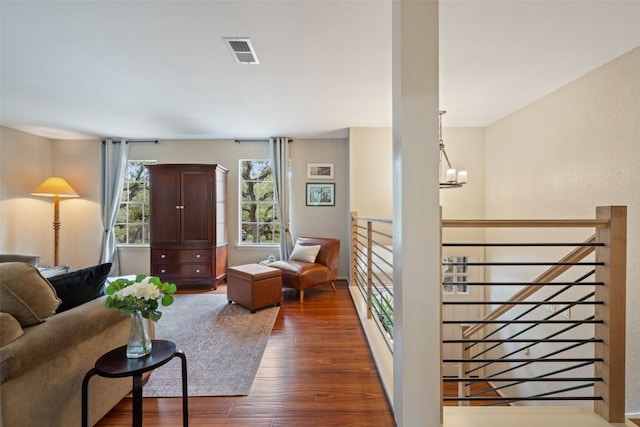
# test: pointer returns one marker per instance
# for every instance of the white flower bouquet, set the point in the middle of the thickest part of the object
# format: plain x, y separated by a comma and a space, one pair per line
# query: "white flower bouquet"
144, 294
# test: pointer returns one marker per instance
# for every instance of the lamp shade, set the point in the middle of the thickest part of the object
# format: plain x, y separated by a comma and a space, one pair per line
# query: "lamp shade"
55, 186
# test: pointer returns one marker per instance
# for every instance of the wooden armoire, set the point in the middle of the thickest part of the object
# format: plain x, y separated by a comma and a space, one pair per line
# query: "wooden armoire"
188, 222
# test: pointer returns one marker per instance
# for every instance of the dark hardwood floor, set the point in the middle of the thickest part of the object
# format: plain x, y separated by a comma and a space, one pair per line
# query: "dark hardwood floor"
316, 371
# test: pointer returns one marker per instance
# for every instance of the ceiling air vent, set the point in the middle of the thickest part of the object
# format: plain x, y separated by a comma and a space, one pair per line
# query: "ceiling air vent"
242, 50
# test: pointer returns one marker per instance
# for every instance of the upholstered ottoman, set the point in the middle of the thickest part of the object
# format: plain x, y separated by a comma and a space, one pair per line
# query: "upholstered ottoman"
254, 286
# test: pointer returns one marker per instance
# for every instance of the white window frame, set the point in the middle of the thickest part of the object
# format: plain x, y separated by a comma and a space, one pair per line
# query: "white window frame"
275, 223
456, 273
127, 203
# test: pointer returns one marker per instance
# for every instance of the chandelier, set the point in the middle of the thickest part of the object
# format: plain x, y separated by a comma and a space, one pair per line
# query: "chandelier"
449, 177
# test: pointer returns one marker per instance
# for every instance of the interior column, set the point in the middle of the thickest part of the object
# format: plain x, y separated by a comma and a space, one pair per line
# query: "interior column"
416, 214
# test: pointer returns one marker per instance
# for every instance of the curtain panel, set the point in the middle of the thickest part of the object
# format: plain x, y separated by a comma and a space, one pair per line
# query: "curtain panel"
115, 154
279, 152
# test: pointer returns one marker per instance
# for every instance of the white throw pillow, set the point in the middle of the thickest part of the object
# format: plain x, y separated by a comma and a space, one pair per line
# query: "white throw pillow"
304, 253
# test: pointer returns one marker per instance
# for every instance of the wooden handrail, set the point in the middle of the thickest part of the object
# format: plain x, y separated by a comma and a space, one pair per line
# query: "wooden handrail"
364, 218
574, 256
525, 223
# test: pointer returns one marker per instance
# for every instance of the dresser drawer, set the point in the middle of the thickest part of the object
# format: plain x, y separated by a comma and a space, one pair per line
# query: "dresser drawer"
183, 270
159, 256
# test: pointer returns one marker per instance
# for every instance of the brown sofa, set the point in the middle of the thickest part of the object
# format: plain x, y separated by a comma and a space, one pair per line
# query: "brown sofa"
44, 359
302, 275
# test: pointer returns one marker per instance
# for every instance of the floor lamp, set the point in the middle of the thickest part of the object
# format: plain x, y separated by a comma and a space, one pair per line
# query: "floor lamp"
55, 187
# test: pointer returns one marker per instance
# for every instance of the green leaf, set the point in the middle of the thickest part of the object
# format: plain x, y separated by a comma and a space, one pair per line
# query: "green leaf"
167, 300
171, 289
155, 315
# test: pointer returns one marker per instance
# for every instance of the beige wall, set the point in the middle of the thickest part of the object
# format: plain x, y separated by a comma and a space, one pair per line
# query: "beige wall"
371, 176
321, 221
370, 172
26, 220
78, 161
317, 221
569, 152
465, 147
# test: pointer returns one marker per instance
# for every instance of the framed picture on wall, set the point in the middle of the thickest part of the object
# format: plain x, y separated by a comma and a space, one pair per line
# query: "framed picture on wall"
319, 170
321, 194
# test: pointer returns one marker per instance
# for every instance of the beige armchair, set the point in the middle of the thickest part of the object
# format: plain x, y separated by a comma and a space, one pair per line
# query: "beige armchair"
302, 275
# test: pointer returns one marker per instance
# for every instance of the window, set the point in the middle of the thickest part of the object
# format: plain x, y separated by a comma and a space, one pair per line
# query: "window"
132, 224
258, 214
455, 275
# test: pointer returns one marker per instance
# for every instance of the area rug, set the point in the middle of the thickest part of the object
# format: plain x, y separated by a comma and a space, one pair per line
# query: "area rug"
224, 344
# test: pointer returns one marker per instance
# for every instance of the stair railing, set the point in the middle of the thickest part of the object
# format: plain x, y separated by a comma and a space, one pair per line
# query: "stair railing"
372, 270
521, 323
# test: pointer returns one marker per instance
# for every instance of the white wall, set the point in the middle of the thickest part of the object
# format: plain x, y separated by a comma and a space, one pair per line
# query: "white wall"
567, 153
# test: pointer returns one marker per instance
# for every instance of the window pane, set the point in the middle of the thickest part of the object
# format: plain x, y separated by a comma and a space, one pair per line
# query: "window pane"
257, 205
135, 234
447, 287
133, 214
121, 233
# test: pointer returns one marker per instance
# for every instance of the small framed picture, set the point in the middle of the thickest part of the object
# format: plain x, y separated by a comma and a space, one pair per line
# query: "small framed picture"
321, 194
319, 170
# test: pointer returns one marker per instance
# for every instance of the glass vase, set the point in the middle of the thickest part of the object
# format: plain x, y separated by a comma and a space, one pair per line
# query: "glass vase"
139, 344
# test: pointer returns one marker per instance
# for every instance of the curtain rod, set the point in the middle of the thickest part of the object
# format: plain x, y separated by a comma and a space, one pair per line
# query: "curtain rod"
155, 141
127, 141
238, 141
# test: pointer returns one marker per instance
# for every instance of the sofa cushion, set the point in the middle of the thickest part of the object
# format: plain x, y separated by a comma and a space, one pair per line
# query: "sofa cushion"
10, 329
29, 259
80, 286
25, 294
304, 253
47, 341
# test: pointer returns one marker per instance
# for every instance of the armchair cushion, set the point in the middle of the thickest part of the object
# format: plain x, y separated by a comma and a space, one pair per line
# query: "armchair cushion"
305, 253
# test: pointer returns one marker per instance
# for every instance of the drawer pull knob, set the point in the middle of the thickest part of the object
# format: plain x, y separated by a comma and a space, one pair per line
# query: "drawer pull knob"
162, 271
197, 271
163, 256
198, 256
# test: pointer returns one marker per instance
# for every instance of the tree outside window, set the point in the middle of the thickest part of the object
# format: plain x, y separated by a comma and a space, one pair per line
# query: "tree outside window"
259, 222
132, 223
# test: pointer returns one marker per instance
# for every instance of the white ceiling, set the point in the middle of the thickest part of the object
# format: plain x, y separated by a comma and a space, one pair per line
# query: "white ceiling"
151, 69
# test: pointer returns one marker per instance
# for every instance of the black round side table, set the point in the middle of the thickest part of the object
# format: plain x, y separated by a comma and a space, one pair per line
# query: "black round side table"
115, 364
